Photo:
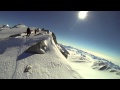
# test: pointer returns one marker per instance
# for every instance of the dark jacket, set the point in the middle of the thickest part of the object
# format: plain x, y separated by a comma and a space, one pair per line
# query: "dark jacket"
28, 31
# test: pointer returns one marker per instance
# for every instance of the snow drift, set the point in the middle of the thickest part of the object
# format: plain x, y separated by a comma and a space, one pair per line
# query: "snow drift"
17, 63
39, 48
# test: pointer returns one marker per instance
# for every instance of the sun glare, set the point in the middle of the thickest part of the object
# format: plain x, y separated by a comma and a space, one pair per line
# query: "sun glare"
82, 14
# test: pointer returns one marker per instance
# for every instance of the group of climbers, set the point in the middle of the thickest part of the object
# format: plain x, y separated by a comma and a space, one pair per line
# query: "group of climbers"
35, 31
29, 31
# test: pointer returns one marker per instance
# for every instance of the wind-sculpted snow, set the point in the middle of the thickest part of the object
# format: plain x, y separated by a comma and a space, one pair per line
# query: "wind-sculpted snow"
16, 63
39, 48
57, 62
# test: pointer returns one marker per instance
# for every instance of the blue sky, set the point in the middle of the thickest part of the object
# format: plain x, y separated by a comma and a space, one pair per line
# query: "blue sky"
99, 32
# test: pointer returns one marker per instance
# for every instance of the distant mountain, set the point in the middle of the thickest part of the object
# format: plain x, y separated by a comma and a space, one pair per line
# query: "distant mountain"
19, 26
99, 61
4, 27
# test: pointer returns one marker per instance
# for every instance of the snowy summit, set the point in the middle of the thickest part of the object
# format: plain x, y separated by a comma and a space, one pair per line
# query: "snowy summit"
34, 57
40, 56
20, 26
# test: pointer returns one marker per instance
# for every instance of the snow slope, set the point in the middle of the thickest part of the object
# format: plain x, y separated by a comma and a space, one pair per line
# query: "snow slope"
16, 63
13, 31
92, 67
14, 59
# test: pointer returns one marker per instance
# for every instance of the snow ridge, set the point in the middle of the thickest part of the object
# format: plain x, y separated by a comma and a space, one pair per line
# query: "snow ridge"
14, 59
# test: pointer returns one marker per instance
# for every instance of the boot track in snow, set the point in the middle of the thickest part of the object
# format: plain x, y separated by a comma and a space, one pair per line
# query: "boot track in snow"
19, 52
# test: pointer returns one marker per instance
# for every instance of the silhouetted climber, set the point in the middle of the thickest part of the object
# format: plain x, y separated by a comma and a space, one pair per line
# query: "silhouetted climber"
35, 31
28, 32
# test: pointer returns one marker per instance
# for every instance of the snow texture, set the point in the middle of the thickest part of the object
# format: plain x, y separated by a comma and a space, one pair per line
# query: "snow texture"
41, 57
16, 63
92, 67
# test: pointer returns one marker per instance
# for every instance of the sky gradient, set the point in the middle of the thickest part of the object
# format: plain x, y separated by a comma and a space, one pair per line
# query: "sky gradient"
98, 33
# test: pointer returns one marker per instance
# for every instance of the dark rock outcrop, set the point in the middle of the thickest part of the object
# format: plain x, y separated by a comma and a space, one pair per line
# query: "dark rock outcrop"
54, 38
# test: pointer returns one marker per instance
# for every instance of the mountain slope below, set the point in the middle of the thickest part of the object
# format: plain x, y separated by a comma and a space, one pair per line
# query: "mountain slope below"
90, 66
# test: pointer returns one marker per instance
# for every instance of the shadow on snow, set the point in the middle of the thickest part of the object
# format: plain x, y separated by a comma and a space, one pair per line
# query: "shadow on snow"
24, 55
8, 43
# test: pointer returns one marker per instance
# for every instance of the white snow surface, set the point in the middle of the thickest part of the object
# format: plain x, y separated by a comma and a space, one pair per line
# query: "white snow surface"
88, 65
14, 59
15, 63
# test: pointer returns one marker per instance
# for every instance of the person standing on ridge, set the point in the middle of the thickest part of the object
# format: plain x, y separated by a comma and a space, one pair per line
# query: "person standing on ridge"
28, 32
35, 31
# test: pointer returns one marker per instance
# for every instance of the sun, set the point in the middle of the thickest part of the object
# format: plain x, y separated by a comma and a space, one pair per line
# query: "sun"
82, 14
